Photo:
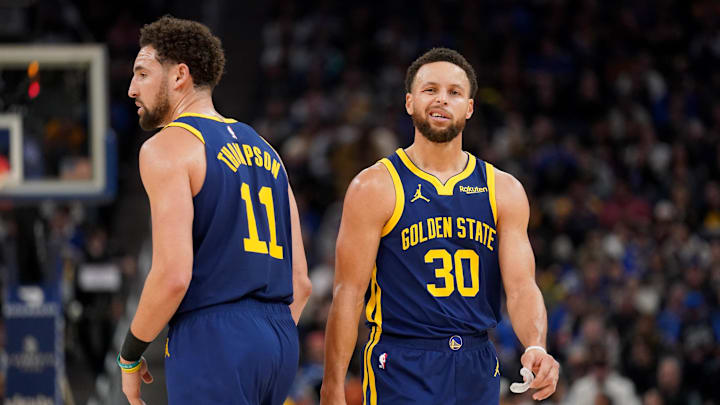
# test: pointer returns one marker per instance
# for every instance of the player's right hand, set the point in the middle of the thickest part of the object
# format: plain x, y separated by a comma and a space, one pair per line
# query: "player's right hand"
546, 370
131, 383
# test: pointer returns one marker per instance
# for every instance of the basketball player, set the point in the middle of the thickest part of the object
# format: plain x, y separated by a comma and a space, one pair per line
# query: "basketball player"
444, 232
228, 270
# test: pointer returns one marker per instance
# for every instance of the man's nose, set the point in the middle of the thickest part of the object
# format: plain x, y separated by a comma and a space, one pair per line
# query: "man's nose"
441, 97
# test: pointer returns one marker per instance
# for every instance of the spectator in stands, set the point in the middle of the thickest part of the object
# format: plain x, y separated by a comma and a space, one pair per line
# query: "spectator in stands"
669, 383
603, 383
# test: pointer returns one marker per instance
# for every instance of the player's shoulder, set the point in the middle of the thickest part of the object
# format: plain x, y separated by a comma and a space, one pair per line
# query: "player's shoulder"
169, 140
170, 146
507, 183
375, 179
509, 193
372, 191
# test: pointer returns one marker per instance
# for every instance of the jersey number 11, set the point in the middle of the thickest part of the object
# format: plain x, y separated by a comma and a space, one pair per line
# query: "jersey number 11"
253, 242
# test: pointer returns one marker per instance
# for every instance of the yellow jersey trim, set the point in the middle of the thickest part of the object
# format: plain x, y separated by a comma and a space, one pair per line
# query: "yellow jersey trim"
187, 127
442, 189
399, 198
490, 172
210, 117
369, 308
373, 305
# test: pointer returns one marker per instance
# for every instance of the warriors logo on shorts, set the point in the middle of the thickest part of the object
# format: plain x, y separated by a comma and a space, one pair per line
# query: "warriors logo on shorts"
455, 342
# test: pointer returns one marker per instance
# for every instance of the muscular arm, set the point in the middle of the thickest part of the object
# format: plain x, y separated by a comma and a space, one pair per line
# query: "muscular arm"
517, 263
165, 163
524, 301
369, 203
301, 283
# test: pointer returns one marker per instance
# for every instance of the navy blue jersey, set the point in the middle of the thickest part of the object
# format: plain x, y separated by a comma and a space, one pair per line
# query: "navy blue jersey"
241, 228
437, 271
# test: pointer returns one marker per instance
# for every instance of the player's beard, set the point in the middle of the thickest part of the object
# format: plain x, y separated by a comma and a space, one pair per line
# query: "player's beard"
154, 118
437, 135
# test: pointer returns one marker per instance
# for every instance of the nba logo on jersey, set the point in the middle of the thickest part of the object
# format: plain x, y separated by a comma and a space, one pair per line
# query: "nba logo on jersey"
455, 342
383, 359
231, 132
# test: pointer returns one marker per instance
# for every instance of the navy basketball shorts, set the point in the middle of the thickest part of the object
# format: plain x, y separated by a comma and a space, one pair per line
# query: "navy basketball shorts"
445, 371
242, 353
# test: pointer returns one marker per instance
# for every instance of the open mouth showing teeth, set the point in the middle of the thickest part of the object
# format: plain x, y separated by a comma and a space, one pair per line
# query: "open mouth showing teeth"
438, 115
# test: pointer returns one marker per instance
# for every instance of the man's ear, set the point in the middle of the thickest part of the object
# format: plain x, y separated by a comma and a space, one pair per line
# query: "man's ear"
181, 76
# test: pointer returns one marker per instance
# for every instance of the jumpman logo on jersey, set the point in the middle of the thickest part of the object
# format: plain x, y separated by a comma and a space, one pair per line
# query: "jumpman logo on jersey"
497, 367
418, 195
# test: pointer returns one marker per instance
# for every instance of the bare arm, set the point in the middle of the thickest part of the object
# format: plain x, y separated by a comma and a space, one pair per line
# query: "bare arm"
369, 203
517, 264
301, 283
165, 163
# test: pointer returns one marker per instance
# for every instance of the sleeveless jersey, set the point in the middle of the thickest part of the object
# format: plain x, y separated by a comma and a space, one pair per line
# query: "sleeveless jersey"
241, 228
437, 271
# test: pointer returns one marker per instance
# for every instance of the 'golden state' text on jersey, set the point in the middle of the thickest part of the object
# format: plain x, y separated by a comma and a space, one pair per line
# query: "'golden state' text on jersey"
437, 271
241, 228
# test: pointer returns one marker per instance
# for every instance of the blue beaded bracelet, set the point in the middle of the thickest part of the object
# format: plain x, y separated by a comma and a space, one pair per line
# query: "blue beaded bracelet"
129, 368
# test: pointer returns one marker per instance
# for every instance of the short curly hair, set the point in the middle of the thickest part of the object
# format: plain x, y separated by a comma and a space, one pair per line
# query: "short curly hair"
441, 55
188, 42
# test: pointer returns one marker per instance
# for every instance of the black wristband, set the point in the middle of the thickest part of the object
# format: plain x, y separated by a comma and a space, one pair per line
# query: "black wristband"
133, 348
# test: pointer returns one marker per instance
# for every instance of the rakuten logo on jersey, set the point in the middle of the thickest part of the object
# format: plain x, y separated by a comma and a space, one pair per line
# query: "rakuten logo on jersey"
473, 190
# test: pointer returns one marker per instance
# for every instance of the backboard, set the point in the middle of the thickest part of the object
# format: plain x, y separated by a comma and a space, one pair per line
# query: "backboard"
55, 139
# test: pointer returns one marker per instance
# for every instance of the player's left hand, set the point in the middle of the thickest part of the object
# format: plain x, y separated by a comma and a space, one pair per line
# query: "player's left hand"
131, 383
546, 370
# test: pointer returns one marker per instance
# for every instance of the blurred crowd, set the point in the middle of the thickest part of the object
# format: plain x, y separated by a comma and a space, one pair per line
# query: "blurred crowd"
607, 112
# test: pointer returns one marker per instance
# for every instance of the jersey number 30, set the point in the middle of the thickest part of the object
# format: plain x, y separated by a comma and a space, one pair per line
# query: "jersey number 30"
253, 243
446, 273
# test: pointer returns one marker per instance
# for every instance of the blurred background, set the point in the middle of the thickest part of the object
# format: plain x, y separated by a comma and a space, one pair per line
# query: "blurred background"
608, 112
